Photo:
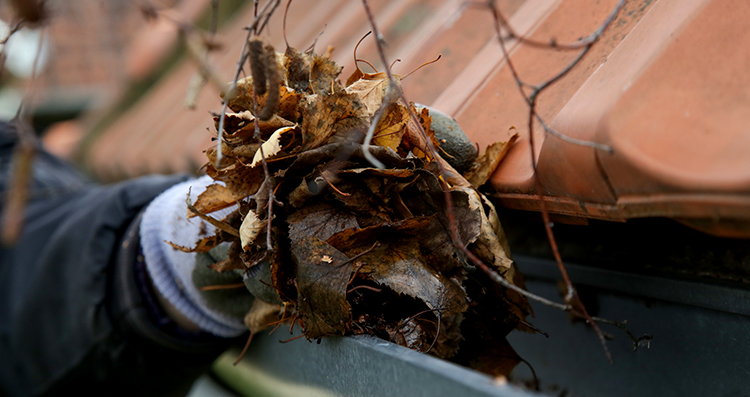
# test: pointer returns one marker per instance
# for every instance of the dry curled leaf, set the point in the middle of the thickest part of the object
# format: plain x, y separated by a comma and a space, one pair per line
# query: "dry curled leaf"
214, 198
260, 315
488, 161
203, 245
272, 146
250, 229
324, 115
371, 89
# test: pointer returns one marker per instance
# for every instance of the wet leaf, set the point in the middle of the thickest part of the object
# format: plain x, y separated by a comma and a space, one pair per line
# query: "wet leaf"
319, 221
401, 266
419, 334
321, 287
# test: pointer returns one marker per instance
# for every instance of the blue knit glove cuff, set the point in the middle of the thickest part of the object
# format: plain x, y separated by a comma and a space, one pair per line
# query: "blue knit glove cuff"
164, 220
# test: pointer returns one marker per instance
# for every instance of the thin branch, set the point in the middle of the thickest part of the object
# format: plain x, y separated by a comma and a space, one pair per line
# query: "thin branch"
222, 286
215, 222
244, 349
551, 44
579, 142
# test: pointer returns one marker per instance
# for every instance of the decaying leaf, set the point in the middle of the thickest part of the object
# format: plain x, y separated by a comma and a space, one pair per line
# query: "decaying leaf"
488, 161
243, 100
250, 229
371, 89
214, 198
324, 115
323, 74
239, 127
401, 266
297, 67
322, 288
319, 221
260, 315
270, 147
203, 245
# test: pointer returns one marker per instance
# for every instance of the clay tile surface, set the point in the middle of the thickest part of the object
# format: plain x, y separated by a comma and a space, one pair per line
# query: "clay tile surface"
666, 88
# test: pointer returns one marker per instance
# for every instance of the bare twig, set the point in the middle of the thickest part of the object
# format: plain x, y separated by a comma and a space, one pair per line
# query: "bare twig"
222, 286
244, 349
215, 222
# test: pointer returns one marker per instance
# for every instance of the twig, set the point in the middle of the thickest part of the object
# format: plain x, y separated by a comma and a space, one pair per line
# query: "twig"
217, 223
361, 254
437, 333
579, 142
244, 349
387, 100
364, 287
222, 286
267, 175
546, 335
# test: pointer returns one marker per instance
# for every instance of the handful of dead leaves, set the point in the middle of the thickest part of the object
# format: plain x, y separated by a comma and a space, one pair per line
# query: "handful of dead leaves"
355, 249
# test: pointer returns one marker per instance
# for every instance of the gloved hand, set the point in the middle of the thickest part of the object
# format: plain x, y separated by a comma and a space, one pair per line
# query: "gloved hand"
178, 276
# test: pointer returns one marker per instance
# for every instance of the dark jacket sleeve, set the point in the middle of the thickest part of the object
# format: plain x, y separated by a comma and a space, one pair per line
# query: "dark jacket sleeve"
73, 315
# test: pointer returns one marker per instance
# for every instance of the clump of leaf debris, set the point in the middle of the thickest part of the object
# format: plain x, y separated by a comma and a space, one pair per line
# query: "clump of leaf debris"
334, 244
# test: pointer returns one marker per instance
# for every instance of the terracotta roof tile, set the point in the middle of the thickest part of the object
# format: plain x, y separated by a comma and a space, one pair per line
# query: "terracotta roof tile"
665, 87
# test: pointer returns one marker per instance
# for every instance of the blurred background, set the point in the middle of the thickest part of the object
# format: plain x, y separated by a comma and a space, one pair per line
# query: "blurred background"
95, 60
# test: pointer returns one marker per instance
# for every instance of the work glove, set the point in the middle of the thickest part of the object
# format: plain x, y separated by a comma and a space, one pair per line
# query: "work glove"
179, 276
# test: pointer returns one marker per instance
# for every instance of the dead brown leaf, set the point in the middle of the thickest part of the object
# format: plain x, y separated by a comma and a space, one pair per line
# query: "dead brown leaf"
243, 100
320, 221
321, 288
487, 162
203, 245
297, 67
392, 126
371, 89
260, 315
214, 198
401, 266
323, 74
322, 114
